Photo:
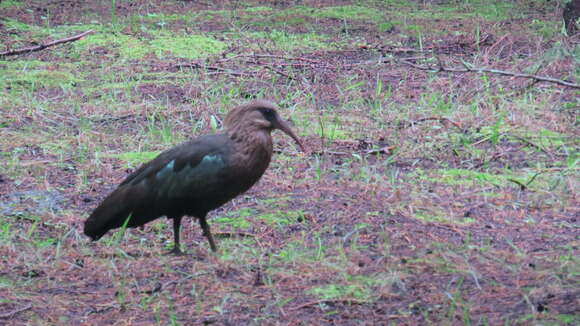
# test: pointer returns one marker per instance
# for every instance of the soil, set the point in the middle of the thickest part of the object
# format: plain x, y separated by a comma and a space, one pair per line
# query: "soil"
500, 269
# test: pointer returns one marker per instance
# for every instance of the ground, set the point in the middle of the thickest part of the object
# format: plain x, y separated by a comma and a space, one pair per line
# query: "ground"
425, 196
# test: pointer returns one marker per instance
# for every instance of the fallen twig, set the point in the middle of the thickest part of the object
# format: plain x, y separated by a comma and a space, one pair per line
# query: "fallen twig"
531, 144
279, 72
157, 288
233, 234
279, 57
528, 142
524, 186
211, 68
30, 163
493, 71
239, 234
143, 114
381, 60
382, 150
317, 302
45, 45
14, 312
442, 120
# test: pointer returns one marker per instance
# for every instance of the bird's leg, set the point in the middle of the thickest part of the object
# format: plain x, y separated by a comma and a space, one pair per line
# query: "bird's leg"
176, 247
207, 233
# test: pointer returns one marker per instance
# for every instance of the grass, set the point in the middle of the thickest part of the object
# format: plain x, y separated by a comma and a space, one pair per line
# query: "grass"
285, 41
135, 158
10, 3
464, 213
33, 75
190, 47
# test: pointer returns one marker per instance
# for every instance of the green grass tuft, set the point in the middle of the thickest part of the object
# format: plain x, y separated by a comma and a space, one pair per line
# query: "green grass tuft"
236, 219
134, 158
336, 291
33, 75
10, 4
191, 47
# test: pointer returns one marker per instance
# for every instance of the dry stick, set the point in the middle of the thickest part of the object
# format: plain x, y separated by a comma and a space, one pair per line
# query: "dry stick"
279, 72
496, 43
312, 303
279, 57
46, 45
524, 186
15, 312
240, 234
107, 120
547, 152
382, 150
531, 144
269, 67
402, 50
495, 71
441, 120
380, 60
213, 68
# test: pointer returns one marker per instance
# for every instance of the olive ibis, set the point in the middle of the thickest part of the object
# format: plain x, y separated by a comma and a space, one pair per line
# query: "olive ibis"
195, 177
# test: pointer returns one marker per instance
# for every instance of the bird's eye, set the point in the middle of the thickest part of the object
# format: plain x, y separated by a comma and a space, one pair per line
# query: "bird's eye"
269, 114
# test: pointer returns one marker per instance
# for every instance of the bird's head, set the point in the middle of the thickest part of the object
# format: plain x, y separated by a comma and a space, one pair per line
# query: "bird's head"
259, 115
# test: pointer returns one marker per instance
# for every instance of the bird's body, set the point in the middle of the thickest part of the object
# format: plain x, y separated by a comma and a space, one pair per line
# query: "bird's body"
195, 177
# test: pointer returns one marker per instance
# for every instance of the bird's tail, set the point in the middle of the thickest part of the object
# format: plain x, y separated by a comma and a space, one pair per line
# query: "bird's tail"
110, 214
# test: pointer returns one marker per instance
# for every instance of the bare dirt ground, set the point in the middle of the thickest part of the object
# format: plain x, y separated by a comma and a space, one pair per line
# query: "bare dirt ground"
425, 197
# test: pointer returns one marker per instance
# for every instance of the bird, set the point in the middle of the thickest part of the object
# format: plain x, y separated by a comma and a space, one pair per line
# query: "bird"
195, 177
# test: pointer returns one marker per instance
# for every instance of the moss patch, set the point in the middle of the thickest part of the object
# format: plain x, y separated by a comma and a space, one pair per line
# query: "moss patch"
290, 41
135, 158
236, 219
10, 3
282, 217
338, 12
440, 217
193, 46
462, 176
258, 9
30, 75
336, 291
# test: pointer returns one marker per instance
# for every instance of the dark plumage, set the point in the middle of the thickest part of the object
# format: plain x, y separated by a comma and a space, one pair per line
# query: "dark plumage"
195, 177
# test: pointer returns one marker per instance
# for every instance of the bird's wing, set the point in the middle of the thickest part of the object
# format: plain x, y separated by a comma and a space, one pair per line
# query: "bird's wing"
197, 162
160, 186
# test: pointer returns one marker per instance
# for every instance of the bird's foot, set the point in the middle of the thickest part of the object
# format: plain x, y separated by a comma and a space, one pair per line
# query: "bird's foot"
175, 251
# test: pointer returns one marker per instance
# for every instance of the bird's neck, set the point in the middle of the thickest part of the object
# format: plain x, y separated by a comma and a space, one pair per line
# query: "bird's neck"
253, 147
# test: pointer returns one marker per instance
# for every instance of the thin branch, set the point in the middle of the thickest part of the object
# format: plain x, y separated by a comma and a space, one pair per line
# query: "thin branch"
469, 68
45, 45
14, 312
210, 68
522, 139
317, 302
233, 234
239, 234
381, 60
531, 144
523, 186
279, 57
279, 72
441, 120
382, 150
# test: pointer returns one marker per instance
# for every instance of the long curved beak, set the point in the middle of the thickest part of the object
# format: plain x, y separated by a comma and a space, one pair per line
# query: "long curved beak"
282, 125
